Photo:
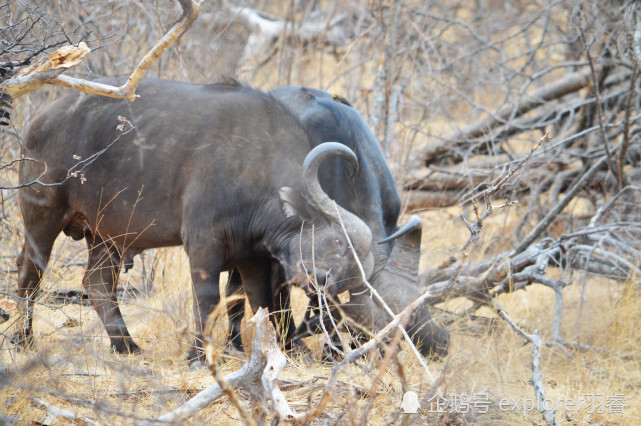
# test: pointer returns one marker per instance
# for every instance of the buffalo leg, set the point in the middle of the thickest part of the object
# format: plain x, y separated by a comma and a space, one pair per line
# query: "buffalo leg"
235, 309
283, 307
311, 325
31, 263
431, 340
204, 263
100, 280
280, 307
258, 288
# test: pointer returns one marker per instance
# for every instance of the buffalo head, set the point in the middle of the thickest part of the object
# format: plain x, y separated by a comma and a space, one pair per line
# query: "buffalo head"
398, 285
321, 251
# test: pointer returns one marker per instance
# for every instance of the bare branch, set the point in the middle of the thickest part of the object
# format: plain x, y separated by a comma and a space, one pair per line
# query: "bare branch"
53, 412
44, 71
547, 220
554, 90
537, 382
258, 376
49, 70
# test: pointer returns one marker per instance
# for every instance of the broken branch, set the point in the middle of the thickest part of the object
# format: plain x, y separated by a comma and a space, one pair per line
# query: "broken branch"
537, 382
258, 376
49, 70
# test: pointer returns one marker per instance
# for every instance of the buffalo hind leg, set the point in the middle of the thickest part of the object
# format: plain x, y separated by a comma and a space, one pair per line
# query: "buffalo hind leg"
100, 280
31, 262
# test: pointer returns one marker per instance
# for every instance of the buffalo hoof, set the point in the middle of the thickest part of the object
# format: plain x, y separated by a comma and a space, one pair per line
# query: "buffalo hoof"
196, 358
431, 341
197, 364
125, 346
333, 354
236, 345
22, 340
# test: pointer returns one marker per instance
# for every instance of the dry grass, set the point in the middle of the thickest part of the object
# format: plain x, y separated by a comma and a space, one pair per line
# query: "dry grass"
75, 363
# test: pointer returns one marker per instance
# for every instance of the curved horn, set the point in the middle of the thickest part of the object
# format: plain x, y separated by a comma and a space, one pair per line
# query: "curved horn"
310, 172
412, 224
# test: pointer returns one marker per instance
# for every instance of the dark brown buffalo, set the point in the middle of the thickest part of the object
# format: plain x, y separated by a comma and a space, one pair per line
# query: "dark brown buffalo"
224, 170
371, 194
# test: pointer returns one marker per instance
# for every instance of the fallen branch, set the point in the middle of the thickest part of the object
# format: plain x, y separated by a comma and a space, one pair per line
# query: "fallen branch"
554, 90
569, 196
75, 296
263, 31
54, 412
417, 200
258, 376
582, 347
477, 278
446, 178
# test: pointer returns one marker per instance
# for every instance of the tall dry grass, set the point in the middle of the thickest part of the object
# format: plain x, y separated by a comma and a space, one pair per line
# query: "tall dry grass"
73, 363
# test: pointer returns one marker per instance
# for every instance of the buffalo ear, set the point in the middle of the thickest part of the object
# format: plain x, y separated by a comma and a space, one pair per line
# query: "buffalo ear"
294, 204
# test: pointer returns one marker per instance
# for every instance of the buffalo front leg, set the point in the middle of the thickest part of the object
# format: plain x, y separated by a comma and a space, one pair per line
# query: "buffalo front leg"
278, 290
431, 340
256, 279
283, 309
101, 278
235, 309
204, 263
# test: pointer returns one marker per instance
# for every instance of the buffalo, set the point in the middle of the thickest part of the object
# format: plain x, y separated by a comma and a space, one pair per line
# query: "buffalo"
371, 194
222, 169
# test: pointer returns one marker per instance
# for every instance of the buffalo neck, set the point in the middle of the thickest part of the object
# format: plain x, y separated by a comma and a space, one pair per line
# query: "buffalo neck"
271, 230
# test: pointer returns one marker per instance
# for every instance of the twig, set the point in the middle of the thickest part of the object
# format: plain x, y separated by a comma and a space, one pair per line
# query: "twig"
623, 149
560, 341
53, 412
537, 383
497, 186
569, 196
606, 207
597, 106
390, 353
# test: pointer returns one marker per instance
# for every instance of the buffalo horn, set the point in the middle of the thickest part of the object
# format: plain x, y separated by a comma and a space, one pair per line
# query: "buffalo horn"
405, 255
310, 172
412, 224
